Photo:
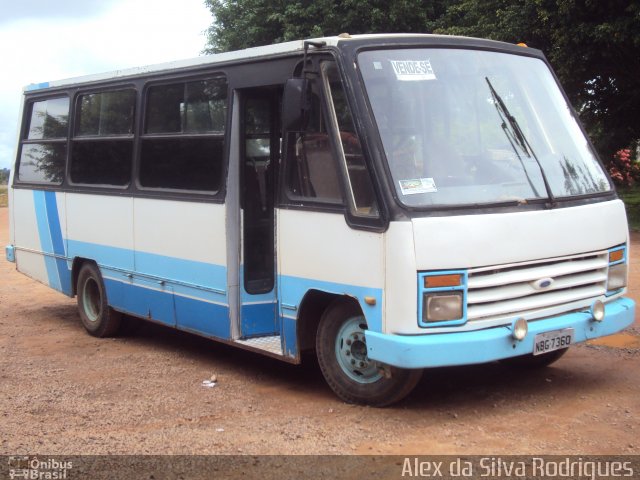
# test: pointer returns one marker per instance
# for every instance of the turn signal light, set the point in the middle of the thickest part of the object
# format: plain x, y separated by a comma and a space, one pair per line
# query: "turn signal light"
616, 256
439, 281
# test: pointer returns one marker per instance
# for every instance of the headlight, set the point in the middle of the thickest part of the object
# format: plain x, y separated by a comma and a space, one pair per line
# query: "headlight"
617, 277
440, 307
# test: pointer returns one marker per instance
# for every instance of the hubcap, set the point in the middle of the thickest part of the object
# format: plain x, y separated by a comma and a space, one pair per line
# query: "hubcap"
351, 352
91, 299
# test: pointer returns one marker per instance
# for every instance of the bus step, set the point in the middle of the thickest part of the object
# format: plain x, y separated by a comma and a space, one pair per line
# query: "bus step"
271, 344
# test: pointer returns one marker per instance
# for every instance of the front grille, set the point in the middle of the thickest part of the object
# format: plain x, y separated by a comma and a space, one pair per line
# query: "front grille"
511, 289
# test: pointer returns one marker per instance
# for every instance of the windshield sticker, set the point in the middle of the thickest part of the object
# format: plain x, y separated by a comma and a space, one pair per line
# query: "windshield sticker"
412, 70
417, 185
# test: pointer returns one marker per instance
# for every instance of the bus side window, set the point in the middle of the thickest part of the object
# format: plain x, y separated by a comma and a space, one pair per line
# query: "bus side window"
312, 172
102, 148
44, 150
183, 137
362, 200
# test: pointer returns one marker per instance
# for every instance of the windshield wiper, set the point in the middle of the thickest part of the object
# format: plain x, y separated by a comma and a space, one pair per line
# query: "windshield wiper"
522, 141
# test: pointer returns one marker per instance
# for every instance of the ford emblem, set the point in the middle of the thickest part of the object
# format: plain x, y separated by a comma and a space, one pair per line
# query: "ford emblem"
542, 283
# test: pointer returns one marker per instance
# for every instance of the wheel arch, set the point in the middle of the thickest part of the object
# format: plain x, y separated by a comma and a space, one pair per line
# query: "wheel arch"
342, 356
312, 307
76, 266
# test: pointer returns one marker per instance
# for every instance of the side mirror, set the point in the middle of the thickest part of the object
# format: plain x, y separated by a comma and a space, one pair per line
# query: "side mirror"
295, 104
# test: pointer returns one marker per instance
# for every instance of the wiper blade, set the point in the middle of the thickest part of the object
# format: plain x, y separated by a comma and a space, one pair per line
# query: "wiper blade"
513, 123
521, 140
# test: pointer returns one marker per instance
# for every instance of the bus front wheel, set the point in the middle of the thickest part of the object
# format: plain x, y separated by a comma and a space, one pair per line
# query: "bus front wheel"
98, 318
341, 349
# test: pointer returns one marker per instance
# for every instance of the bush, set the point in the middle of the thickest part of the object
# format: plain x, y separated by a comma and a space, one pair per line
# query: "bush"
624, 171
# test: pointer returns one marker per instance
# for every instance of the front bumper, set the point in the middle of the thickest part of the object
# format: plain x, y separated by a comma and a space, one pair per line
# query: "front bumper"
482, 346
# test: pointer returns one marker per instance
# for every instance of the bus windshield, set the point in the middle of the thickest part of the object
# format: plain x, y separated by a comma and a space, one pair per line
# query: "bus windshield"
466, 127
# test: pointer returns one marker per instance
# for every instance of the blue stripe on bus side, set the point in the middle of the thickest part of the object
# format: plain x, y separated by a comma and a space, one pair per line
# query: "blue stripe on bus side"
210, 319
104, 255
57, 242
293, 290
207, 275
259, 319
51, 205
193, 314
289, 333
141, 300
161, 305
179, 269
51, 240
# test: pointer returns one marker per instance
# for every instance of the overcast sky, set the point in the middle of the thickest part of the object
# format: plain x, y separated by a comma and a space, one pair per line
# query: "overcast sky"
44, 40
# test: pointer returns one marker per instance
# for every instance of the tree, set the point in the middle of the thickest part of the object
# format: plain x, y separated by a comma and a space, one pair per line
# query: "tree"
247, 23
592, 44
4, 176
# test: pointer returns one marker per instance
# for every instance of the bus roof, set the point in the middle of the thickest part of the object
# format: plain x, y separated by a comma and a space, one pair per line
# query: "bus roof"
249, 53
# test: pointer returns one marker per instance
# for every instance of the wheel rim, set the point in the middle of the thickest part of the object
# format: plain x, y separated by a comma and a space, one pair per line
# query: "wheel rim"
351, 352
91, 300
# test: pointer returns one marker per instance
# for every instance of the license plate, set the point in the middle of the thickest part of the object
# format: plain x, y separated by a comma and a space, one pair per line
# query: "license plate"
554, 340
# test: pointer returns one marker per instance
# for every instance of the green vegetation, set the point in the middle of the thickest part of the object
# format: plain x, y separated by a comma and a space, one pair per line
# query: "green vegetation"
3, 196
592, 45
631, 198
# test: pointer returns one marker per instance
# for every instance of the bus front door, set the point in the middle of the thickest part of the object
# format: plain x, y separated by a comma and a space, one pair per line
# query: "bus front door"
259, 158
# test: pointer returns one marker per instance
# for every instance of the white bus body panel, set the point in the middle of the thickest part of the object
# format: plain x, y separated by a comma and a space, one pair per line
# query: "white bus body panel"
472, 241
186, 230
320, 251
100, 227
478, 240
41, 248
182, 246
26, 230
169, 265
401, 276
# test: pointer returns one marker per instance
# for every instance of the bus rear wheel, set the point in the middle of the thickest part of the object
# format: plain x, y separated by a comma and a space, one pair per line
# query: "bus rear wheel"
341, 349
98, 318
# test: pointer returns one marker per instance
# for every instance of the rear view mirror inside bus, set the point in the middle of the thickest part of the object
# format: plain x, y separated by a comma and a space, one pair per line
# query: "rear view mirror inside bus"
295, 105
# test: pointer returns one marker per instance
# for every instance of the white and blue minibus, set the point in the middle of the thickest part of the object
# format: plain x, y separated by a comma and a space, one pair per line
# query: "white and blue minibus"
391, 202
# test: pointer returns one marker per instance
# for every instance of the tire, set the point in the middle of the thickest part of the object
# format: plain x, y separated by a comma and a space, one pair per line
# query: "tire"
535, 361
342, 354
98, 318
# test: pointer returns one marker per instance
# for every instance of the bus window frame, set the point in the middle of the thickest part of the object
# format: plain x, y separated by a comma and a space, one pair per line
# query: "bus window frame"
218, 195
335, 134
73, 137
377, 223
26, 112
139, 85
287, 198
397, 208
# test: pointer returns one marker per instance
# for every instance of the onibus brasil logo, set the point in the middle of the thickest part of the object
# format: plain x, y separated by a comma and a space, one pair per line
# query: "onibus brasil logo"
34, 468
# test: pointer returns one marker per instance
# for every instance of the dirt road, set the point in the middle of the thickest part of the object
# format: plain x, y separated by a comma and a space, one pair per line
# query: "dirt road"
64, 392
